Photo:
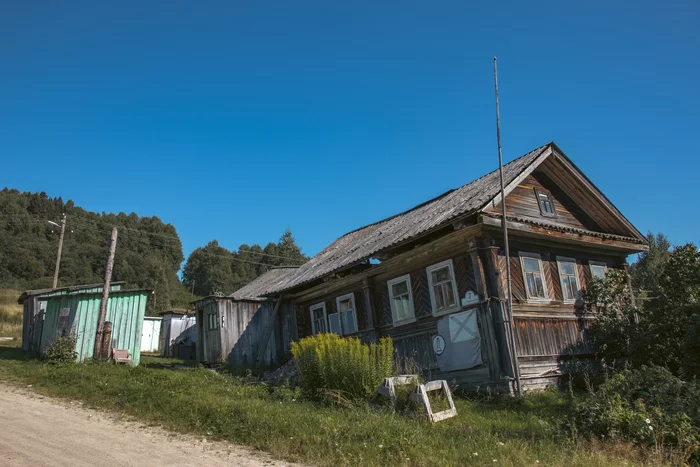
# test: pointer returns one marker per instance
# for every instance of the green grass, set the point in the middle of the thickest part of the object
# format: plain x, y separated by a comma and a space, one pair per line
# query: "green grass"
199, 401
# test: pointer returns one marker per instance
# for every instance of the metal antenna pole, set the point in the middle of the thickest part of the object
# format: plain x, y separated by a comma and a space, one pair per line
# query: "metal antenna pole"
60, 248
514, 356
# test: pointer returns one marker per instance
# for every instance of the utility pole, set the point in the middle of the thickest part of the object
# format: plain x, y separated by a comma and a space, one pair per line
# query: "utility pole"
58, 255
514, 356
105, 296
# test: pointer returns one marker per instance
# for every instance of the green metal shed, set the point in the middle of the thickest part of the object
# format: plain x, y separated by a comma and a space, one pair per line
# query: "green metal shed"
34, 302
78, 313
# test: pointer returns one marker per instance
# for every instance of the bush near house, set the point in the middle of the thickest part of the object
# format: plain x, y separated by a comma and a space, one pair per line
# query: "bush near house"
62, 350
329, 362
648, 406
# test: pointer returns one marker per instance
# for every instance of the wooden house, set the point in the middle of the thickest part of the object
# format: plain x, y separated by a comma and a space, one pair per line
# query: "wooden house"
434, 277
240, 330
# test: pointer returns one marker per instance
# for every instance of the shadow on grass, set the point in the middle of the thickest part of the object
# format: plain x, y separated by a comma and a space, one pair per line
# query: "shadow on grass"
10, 351
157, 362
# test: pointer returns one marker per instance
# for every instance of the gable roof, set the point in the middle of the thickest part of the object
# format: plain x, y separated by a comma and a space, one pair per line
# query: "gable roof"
361, 244
262, 285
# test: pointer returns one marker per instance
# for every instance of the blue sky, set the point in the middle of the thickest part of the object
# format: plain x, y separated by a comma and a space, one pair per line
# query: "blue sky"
234, 121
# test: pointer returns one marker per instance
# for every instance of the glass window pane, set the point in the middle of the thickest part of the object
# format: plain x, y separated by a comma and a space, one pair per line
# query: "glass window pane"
566, 267
348, 319
566, 288
449, 294
539, 288
441, 275
439, 299
598, 271
531, 264
345, 305
399, 288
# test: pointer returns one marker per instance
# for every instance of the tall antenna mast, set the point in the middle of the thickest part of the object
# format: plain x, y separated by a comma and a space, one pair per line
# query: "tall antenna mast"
514, 356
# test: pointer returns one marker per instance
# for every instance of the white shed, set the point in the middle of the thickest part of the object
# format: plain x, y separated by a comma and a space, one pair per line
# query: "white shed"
150, 336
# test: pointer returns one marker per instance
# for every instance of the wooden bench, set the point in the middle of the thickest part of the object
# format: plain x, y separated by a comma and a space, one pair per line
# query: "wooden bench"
121, 356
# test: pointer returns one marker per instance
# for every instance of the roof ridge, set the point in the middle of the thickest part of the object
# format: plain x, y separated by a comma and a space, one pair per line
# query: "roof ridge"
418, 206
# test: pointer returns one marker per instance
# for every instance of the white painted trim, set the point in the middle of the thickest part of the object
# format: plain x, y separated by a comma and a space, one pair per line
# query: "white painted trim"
566, 259
538, 257
429, 270
317, 306
351, 296
398, 280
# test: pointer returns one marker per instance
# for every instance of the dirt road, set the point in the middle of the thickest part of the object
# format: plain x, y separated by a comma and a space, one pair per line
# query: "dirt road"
37, 431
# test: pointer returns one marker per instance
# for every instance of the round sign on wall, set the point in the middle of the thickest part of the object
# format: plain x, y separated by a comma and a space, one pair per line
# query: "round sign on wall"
438, 344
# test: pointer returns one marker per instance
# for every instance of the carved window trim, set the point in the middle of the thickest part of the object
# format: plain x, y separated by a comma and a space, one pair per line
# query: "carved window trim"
544, 200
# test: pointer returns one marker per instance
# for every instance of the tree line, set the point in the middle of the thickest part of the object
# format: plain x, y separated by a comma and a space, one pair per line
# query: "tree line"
148, 255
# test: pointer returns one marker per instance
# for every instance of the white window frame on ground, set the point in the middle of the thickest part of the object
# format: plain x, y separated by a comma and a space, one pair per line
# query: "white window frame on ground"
398, 280
312, 308
564, 259
340, 319
536, 256
600, 264
429, 270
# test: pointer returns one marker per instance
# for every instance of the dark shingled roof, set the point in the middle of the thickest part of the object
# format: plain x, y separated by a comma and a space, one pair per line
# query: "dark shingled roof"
361, 244
263, 285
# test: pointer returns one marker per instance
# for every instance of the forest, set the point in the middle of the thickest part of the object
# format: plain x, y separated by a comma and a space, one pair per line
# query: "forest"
148, 254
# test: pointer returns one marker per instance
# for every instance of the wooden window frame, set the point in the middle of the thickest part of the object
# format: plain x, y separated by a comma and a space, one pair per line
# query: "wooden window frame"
567, 259
314, 307
538, 257
351, 296
602, 264
213, 321
431, 290
397, 280
540, 192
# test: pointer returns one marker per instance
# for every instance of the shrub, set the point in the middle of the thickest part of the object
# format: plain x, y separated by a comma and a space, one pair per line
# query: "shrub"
62, 350
329, 362
648, 406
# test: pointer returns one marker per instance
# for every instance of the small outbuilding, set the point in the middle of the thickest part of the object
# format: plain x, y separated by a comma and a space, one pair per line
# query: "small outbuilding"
178, 334
150, 336
77, 314
247, 328
34, 302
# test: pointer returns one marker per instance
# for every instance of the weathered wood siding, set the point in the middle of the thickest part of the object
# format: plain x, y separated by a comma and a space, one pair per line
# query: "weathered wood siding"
241, 327
522, 202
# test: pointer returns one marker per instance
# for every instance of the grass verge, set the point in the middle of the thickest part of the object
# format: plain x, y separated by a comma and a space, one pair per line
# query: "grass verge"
201, 402
10, 314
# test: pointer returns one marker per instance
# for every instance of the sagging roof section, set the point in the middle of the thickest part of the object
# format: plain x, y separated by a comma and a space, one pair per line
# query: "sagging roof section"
264, 284
69, 289
361, 244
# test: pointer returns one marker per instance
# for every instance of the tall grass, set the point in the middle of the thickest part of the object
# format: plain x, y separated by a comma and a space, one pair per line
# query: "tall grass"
10, 314
329, 362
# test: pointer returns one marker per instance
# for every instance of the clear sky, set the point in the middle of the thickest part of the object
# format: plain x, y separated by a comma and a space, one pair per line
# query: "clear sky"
235, 120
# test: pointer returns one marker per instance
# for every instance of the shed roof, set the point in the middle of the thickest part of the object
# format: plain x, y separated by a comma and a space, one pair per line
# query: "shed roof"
359, 245
71, 288
264, 284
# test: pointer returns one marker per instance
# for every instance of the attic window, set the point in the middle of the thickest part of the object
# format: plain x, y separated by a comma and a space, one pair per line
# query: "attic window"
544, 200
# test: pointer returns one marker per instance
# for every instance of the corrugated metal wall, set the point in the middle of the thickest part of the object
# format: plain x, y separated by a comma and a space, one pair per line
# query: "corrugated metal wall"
174, 327
78, 314
35, 307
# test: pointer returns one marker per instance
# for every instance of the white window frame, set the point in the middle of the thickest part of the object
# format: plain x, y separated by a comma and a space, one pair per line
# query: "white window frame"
350, 296
566, 259
433, 303
312, 308
602, 264
538, 257
405, 278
